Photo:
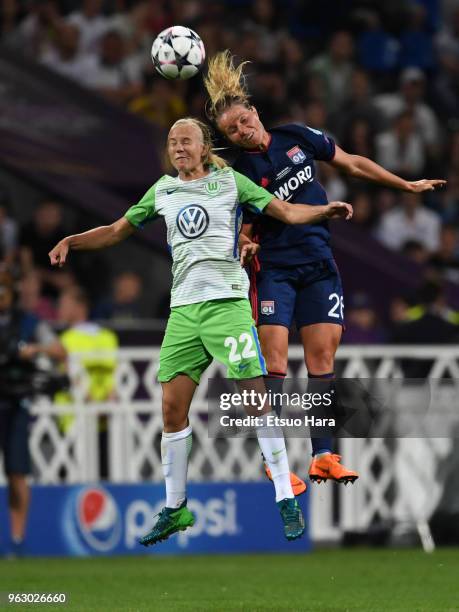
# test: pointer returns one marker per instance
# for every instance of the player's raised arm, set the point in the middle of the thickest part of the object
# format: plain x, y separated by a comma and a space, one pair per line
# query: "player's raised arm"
293, 214
97, 238
364, 168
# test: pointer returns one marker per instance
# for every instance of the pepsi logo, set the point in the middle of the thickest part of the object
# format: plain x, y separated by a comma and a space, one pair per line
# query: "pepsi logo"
98, 518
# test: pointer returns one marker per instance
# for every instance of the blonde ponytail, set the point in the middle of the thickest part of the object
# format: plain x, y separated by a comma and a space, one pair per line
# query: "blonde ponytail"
225, 84
211, 158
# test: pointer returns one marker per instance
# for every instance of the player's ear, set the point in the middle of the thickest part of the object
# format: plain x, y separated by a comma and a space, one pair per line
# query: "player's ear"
205, 152
254, 111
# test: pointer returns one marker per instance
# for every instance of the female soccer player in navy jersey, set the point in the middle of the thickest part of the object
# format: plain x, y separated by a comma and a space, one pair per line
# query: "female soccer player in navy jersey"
297, 277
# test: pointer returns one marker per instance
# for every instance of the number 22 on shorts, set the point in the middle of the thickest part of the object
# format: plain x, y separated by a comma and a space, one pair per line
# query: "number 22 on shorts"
246, 340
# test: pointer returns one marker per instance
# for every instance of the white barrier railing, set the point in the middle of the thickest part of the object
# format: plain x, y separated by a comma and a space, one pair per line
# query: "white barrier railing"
398, 477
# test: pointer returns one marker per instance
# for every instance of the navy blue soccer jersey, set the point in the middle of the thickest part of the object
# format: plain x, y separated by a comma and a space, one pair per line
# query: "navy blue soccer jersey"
287, 170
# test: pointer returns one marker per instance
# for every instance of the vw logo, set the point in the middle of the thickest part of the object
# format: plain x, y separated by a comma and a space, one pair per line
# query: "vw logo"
192, 221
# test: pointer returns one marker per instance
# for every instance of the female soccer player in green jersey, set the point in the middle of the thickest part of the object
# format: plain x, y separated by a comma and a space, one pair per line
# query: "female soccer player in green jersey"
210, 311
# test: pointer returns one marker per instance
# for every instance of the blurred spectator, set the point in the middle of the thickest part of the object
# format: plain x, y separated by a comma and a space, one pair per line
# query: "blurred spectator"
411, 97
453, 151
315, 88
446, 259
269, 82
332, 182
378, 50
138, 25
161, 104
84, 336
447, 78
364, 211
398, 312
113, 74
416, 252
65, 58
9, 18
362, 323
415, 40
446, 89
91, 23
335, 67
35, 33
401, 149
264, 23
447, 41
359, 107
291, 56
23, 339
126, 301
37, 238
359, 138
32, 300
385, 200
429, 322
315, 115
410, 221
449, 200
8, 231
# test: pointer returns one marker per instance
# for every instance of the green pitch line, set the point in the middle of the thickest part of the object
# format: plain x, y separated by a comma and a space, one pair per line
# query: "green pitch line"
325, 581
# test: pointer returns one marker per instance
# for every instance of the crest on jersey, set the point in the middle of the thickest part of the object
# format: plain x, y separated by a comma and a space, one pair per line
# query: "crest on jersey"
296, 155
192, 221
213, 187
267, 307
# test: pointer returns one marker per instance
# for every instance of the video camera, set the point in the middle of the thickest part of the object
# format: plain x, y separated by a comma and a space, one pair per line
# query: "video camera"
23, 378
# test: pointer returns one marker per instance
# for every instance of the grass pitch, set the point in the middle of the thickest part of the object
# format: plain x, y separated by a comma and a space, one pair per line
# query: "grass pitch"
324, 581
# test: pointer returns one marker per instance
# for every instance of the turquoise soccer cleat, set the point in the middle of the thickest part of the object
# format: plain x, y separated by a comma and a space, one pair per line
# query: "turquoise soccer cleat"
170, 520
292, 517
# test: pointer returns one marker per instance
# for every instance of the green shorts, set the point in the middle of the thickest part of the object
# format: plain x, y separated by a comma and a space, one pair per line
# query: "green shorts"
219, 329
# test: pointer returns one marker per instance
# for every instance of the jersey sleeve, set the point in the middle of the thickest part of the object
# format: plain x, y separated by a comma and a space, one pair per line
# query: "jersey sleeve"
321, 145
144, 211
254, 197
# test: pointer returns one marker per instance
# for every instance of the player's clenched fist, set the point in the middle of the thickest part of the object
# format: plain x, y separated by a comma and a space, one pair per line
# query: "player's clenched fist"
248, 251
58, 255
335, 210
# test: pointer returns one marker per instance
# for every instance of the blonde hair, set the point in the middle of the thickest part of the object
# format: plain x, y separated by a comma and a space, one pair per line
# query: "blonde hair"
211, 158
225, 84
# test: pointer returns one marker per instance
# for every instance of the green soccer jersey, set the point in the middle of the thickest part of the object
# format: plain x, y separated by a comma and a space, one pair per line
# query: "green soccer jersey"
203, 219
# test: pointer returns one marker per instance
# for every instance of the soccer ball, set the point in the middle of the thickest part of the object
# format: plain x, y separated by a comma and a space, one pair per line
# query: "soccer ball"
178, 53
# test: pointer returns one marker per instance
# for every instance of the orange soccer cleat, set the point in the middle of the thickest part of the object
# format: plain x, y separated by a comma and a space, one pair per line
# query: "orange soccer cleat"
298, 485
327, 467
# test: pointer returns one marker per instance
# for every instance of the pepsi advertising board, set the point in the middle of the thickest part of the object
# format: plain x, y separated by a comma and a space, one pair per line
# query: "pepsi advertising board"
105, 519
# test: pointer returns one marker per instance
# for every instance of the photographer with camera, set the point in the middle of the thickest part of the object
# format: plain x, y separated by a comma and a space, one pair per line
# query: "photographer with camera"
23, 339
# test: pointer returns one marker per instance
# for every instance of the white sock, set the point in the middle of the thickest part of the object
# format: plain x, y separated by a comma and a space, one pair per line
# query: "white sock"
272, 444
175, 450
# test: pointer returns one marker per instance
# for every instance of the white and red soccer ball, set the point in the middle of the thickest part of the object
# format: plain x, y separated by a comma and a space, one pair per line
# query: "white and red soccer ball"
178, 53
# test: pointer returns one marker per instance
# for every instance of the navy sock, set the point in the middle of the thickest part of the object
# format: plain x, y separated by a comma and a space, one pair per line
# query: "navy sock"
321, 383
274, 382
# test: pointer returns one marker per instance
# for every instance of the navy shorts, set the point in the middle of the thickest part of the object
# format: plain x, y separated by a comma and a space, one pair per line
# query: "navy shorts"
14, 437
310, 293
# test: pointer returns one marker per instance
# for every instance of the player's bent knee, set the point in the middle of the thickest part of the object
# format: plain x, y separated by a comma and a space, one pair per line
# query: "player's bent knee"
321, 361
174, 416
276, 361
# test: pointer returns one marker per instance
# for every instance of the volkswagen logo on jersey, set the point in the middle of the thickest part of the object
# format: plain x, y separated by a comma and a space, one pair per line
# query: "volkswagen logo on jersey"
98, 519
296, 155
192, 221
